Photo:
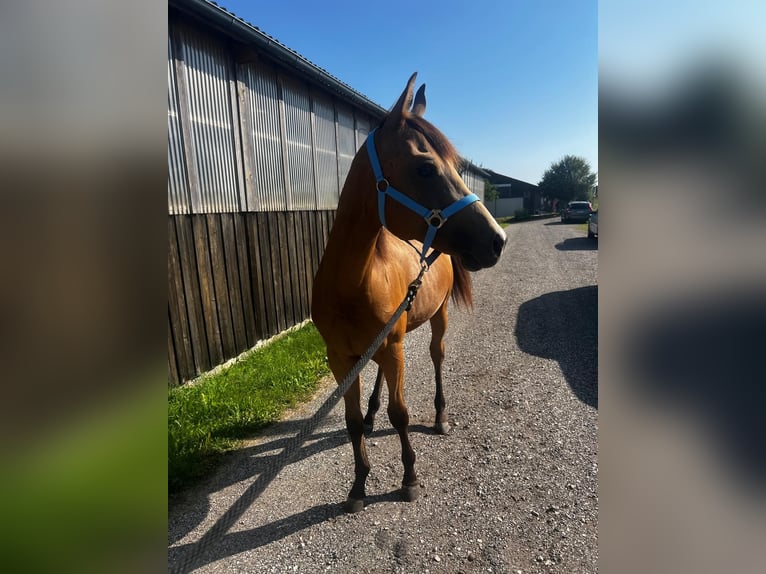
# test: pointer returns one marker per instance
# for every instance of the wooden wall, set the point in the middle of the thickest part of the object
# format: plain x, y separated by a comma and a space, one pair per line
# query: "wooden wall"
235, 279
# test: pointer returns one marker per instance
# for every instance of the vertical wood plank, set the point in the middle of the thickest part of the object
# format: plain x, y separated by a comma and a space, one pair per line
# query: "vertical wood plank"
295, 276
277, 276
296, 255
266, 278
243, 242
188, 263
207, 288
259, 273
308, 258
232, 277
220, 284
325, 229
177, 309
288, 283
299, 263
173, 375
314, 240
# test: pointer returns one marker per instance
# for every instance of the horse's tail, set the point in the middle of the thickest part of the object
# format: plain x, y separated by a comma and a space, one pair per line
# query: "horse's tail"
462, 294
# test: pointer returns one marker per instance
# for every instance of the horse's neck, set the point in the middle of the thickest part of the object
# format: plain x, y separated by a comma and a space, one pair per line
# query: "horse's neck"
352, 243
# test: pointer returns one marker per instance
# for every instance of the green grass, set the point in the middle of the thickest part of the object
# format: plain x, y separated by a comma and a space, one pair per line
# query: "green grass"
208, 418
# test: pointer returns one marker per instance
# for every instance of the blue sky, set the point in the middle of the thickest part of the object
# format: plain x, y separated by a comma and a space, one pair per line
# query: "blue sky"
513, 83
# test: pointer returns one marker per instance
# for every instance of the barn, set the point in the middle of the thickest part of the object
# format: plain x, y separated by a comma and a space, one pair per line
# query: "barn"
260, 140
513, 194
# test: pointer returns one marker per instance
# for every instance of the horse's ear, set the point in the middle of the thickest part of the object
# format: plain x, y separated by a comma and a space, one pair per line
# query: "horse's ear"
402, 106
419, 107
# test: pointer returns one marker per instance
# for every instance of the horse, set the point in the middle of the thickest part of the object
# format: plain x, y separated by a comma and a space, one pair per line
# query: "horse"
403, 196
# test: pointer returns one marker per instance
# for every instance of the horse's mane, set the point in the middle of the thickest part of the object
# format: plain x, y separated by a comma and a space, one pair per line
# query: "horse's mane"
442, 146
462, 292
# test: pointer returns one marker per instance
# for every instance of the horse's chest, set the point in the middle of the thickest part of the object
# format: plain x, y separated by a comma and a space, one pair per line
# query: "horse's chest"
353, 325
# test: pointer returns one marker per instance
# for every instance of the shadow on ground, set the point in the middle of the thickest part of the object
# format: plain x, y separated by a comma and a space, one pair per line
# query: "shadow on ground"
563, 326
263, 461
236, 542
577, 244
705, 356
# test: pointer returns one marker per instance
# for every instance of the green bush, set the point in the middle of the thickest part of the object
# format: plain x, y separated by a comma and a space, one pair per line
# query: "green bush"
520, 214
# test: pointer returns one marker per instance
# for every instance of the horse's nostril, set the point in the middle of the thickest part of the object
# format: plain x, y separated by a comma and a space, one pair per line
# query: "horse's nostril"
498, 244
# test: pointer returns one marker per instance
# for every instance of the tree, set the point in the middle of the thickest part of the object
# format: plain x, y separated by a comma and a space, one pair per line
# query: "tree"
568, 179
491, 195
490, 191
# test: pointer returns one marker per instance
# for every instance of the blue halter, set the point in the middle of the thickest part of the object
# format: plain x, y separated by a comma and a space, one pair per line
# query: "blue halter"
435, 218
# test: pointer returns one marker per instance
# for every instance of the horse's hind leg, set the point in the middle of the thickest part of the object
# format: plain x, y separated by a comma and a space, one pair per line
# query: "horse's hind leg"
392, 363
354, 424
438, 329
374, 404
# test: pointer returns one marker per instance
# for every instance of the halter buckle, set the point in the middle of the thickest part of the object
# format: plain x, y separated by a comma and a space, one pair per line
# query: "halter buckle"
382, 185
435, 218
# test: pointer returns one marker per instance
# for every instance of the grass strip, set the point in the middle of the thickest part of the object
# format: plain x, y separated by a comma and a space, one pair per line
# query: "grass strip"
213, 415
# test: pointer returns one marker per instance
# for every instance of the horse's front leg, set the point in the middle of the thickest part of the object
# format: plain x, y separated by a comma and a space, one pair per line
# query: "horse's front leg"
392, 363
354, 425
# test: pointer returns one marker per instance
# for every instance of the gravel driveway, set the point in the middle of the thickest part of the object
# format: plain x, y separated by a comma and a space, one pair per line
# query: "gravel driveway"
513, 488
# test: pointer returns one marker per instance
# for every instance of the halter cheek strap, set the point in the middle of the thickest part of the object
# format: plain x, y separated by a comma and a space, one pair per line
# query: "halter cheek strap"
435, 218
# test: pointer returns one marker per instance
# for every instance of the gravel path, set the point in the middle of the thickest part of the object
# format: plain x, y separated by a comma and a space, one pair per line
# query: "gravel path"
513, 488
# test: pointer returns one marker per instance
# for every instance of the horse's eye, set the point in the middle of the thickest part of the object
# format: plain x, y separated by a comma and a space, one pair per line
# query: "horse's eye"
426, 169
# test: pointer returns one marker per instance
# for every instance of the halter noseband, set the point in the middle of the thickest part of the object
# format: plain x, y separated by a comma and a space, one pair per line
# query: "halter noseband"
435, 218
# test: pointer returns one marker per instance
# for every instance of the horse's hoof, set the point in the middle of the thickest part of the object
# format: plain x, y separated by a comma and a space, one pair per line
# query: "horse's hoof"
410, 493
368, 429
354, 505
443, 428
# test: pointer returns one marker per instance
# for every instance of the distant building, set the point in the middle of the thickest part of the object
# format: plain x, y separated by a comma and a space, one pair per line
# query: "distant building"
514, 194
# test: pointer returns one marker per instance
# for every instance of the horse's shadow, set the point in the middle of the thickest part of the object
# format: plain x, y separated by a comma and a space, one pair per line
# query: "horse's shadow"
263, 461
249, 462
235, 542
563, 325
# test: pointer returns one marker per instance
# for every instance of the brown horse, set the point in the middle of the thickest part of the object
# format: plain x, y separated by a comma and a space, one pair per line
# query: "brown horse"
404, 186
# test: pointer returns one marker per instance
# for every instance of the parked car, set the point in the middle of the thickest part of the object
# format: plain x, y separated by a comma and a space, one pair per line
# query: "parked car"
593, 225
576, 211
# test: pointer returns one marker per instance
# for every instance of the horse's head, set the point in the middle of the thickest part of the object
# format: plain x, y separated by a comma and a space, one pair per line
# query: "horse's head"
418, 161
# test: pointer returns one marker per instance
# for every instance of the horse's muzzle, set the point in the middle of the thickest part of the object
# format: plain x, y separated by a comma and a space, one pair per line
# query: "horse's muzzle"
486, 253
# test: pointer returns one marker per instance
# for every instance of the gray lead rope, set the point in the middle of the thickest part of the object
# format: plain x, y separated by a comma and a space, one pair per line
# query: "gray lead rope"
405, 305
190, 560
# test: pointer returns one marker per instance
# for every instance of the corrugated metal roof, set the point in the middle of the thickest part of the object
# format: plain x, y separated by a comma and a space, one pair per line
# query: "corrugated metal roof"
231, 24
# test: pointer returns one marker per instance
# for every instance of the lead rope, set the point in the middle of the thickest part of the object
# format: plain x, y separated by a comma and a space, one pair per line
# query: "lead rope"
190, 560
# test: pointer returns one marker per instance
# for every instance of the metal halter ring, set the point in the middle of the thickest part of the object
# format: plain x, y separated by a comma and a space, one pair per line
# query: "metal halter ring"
382, 185
435, 216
